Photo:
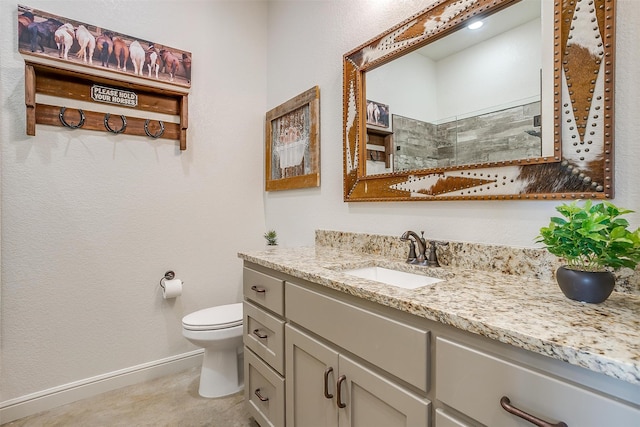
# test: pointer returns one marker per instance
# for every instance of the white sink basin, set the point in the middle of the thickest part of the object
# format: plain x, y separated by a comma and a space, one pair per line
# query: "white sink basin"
397, 278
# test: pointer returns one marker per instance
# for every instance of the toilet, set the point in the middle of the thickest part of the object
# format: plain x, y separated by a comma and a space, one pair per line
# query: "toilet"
219, 331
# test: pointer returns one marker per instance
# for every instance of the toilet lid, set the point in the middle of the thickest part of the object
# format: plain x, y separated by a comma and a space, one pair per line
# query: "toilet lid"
220, 317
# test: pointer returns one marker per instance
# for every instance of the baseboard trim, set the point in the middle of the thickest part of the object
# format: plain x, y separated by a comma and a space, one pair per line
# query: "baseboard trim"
30, 404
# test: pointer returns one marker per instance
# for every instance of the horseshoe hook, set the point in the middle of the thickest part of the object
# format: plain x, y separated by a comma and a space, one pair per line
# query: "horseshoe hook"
157, 134
116, 131
68, 125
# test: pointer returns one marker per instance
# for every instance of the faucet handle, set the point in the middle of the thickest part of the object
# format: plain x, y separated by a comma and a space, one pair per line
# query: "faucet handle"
432, 259
422, 240
412, 252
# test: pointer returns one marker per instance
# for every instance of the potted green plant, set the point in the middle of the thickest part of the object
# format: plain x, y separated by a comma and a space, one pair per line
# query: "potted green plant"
271, 237
593, 241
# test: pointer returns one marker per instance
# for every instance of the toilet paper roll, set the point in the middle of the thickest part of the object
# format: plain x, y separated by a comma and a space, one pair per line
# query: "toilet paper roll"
171, 288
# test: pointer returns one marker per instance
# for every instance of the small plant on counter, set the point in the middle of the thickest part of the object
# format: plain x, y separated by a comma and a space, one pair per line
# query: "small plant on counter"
592, 237
593, 240
271, 237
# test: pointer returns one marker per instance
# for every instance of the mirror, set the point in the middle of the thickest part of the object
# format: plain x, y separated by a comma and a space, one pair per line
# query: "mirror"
409, 138
470, 97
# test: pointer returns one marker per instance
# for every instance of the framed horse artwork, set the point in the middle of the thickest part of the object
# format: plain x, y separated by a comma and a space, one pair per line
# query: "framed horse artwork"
73, 44
377, 114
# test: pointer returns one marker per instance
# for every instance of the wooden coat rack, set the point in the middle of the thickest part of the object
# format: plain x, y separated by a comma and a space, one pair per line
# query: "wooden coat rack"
63, 83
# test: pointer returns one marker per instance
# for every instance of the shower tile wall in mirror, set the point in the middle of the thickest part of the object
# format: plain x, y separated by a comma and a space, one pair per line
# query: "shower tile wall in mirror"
503, 135
564, 47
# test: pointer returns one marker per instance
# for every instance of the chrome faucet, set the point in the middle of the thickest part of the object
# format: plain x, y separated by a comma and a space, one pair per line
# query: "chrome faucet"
422, 247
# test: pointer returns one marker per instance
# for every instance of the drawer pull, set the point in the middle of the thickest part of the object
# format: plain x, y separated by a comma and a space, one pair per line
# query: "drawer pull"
506, 405
326, 383
341, 379
260, 396
258, 289
259, 334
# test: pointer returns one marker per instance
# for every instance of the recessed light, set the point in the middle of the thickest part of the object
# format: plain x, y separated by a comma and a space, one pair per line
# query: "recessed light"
475, 25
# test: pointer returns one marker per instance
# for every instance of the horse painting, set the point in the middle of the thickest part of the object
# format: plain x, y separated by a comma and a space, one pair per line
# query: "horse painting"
64, 39
137, 55
373, 113
186, 63
42, 34
171, 63
23, 23
104, 46
152, 60
121, 52
87, 43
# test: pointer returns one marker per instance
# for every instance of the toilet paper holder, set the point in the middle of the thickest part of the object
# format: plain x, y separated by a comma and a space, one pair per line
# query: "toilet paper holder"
169, 275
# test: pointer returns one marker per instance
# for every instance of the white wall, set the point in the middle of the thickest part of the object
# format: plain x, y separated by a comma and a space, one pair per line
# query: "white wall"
465, 83
469, 83
317, 34
408, 85
91, 222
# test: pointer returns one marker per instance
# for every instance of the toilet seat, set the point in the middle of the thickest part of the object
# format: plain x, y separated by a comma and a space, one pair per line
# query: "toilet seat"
214, 318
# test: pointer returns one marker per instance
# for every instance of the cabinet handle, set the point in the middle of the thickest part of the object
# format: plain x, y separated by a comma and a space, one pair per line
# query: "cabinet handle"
326, 383
341, 379
260, 396
506, 405
258, 289
259, 334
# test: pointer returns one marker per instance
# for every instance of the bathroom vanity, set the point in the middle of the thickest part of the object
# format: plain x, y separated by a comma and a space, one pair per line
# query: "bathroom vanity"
323, 347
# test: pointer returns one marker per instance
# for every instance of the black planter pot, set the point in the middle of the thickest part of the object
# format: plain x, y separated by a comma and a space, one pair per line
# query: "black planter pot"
585, 286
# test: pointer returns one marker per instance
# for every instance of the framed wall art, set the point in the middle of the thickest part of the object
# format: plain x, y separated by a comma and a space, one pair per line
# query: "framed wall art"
292, 143
377, 114
70, 43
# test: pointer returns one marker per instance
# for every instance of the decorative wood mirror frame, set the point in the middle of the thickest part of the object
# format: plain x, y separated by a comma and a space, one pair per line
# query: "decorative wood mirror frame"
583, 112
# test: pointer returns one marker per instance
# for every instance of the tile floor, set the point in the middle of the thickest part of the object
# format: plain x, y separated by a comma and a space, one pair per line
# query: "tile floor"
164, 402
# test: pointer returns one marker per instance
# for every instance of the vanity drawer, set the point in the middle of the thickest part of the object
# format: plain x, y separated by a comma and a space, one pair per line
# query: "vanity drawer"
473, 382
403, 352
264, 290
263, 392
264, 334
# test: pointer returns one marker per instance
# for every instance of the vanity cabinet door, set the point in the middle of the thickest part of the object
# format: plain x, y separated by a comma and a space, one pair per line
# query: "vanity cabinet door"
371, 400
328, 389
474, 383
312, 370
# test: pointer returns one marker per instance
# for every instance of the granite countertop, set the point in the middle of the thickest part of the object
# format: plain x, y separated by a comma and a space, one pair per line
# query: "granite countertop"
529, 313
